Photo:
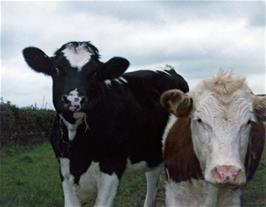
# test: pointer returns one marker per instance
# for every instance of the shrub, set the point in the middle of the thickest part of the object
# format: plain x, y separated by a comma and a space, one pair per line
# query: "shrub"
24, 126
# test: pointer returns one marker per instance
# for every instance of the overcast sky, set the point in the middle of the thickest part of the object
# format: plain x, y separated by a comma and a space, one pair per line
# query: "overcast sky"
196, 37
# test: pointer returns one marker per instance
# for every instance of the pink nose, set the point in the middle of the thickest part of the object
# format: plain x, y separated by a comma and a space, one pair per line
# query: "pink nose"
226, 174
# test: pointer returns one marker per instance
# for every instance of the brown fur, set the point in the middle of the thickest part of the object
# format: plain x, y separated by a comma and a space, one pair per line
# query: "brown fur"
176, 102
259, 104
180, 159
255, 148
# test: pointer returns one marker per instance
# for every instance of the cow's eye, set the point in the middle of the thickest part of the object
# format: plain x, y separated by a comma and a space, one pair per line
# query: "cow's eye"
199, 120
249, 122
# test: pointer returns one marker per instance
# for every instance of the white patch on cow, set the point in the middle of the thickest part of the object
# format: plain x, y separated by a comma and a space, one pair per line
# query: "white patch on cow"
108, 83
164, 71
203, 194
123, 80
70, 197
71, 128
107, 188
171, 121
77, 56
74, 98
88, 181
152, 178
118, 81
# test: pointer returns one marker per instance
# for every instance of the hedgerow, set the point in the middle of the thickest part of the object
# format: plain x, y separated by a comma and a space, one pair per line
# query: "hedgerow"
24, 126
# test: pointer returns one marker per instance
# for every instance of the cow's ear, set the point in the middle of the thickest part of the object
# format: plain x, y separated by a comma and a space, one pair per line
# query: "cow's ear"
176, 102
113, 68
259, 105
38, 60
255, 148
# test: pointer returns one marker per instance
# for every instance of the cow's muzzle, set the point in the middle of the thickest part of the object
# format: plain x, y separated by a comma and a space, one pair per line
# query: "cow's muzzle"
227, 175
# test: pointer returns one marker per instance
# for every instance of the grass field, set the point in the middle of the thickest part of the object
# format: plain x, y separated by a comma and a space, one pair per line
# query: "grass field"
29, 178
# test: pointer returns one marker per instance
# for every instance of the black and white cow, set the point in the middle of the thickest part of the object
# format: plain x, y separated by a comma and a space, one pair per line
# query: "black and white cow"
108, 122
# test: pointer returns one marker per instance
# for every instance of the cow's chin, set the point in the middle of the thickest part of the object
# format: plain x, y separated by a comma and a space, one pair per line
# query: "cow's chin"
73, 116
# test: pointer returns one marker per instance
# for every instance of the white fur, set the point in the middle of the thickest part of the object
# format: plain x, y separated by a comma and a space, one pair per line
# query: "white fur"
198, 193
108, 83
123, 80
118, 80
78, 56
71, 128
222, 136
107, 187
72, 96
70, 196
171, 121
152, 178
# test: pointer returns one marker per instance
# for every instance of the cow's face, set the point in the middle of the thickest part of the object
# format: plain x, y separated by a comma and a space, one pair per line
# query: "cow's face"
221, 119
76, 70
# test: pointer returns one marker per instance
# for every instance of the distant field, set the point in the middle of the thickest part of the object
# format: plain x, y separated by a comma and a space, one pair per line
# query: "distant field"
29, 178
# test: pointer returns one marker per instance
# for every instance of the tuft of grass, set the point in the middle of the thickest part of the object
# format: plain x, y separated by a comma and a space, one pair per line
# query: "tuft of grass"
29, 178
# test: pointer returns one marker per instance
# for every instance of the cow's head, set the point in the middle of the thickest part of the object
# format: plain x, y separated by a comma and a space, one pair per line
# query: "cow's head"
76, 70
223, 111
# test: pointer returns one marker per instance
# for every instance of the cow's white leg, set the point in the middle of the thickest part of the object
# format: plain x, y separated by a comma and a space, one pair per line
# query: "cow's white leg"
107, 187
70, 197
152, 178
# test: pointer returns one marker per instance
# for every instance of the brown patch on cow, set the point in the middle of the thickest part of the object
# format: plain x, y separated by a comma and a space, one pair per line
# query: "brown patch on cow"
176, 102
180, 159
259, 104
255, 148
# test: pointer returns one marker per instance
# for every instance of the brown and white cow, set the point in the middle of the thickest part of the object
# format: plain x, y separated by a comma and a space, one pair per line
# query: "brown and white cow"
213, 141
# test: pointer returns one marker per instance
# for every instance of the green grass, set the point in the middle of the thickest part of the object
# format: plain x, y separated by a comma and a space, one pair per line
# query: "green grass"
29, 178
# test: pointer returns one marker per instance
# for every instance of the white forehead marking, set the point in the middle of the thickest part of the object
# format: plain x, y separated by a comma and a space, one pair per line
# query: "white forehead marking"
77, 56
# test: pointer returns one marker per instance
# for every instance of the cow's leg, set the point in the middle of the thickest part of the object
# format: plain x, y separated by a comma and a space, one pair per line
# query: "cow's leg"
152, 178
70, 196
107, 187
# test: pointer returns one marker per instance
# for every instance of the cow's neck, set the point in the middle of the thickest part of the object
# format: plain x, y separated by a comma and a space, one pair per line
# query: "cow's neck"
73, 126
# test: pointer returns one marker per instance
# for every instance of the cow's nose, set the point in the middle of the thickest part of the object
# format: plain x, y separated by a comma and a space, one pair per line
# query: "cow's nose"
73, 103
226, 174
